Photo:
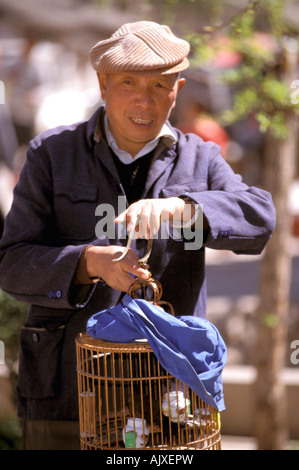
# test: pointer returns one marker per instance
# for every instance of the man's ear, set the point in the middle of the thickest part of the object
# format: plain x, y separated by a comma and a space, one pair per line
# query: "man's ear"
102, 78
181, 83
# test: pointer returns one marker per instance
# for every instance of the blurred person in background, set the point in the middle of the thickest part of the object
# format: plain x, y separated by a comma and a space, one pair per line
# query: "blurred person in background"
196, 119
53, 257
8, 150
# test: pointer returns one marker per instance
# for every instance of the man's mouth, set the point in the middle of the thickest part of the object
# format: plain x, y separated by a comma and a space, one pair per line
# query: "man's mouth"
143, 122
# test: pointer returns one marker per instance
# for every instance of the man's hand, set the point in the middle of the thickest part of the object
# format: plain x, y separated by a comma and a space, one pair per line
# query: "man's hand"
152, 212
99, 263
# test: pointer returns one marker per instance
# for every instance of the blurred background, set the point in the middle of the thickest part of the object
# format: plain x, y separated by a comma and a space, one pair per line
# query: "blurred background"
242, 92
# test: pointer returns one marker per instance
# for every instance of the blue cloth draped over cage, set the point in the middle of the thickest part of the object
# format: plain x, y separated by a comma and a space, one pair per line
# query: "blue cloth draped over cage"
189, 348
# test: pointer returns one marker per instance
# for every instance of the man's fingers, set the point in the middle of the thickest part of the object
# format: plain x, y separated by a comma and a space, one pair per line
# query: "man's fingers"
130, 265
130, 217
145, 216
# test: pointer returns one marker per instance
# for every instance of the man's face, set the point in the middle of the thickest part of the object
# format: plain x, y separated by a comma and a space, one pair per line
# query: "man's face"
138, 106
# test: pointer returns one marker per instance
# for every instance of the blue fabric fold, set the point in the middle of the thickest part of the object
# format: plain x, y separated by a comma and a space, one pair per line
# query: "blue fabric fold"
189, 348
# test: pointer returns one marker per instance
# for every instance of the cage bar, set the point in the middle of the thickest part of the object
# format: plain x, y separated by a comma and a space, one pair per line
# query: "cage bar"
128, 400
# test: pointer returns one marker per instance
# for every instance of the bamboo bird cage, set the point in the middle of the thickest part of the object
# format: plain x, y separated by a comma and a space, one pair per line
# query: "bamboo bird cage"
128, 400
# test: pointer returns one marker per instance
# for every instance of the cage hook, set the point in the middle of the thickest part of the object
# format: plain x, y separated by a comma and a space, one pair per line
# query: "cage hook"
142, 261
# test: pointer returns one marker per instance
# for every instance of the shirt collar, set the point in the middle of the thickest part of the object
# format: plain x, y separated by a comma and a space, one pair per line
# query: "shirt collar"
166, 134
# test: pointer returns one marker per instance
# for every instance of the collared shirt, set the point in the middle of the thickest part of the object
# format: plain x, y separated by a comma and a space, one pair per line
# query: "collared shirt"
126, 157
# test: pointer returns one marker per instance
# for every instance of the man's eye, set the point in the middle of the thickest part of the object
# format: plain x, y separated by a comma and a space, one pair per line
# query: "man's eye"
159, 85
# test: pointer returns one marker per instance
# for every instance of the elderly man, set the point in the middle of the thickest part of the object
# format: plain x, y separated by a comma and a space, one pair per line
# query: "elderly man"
56, 254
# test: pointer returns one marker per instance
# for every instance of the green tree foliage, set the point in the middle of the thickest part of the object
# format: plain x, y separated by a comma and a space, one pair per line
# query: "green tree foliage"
12, 317
257, 85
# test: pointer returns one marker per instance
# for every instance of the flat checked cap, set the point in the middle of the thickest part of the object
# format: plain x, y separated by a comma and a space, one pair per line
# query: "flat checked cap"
144, 47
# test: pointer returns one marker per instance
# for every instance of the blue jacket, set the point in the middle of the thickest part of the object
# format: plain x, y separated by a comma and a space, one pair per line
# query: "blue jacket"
67, 175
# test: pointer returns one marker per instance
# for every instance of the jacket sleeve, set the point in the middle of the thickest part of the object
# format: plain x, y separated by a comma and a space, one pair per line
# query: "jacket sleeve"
32, 269
240, 218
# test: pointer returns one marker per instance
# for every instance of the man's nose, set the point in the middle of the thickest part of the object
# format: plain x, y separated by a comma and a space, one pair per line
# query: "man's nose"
144, 97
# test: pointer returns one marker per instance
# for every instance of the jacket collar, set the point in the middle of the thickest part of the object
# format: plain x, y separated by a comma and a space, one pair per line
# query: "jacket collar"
163, 156
93, 128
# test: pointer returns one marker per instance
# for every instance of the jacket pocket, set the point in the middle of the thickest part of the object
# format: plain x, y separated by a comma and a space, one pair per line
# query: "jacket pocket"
75, 206
39, 361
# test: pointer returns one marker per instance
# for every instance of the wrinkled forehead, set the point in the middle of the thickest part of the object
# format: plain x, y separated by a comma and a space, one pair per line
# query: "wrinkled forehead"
169, 79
